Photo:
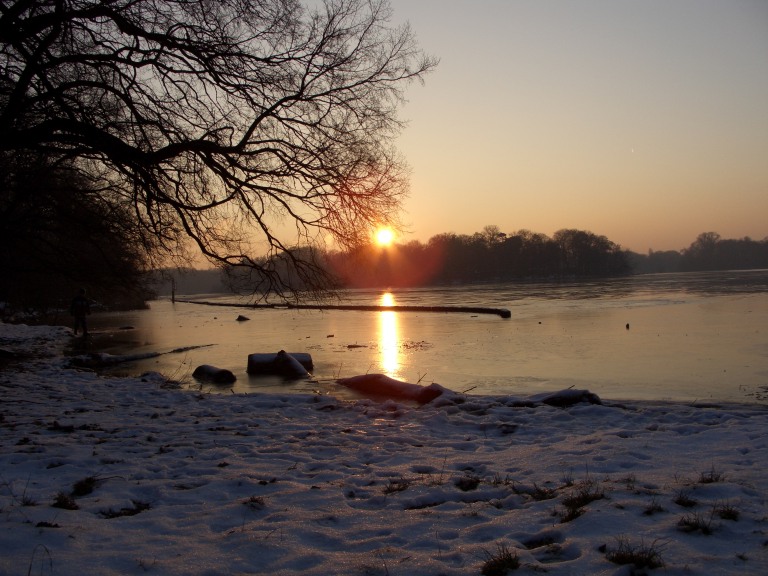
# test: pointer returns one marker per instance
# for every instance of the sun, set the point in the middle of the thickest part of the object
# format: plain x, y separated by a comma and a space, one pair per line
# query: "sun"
384, 236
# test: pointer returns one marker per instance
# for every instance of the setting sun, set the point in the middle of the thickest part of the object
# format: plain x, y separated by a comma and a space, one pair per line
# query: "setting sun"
384, 236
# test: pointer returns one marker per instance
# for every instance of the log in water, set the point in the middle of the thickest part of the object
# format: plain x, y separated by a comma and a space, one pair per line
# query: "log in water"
503, 312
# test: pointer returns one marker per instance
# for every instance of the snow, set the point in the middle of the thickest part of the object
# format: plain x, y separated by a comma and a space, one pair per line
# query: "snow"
170, 481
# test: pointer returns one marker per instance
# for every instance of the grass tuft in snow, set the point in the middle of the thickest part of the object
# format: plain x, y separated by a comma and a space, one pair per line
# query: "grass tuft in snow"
25, 499
467, 483
500, 562
585, 492
497, 480
65, 501
399, 485
567, 478
711, 476
255, 503
570, 514
696, 522
137, 508
727, 511
640, 555
84, 487
653, 508
630, 480
683, 498
537, 493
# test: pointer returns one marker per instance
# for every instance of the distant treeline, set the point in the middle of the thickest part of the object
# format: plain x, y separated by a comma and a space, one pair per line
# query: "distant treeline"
487, 256
495, 256
708, 252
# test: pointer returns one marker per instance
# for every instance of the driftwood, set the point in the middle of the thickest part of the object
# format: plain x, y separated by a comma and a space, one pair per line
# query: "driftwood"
102, 359
503, 312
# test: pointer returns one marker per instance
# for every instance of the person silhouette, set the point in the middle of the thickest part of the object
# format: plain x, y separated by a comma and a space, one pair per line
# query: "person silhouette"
80, 308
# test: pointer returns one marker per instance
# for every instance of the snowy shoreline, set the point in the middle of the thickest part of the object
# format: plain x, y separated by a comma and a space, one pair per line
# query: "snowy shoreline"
124, 476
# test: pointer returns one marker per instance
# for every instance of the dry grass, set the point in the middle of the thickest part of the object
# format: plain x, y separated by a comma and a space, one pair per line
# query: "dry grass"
585, 492
683, 498
697, 523
501, 562
467, 483
711, 476
84, 487
398, 485
653, 508
255, 503
639, 555
65, 501
726, 511
137, 508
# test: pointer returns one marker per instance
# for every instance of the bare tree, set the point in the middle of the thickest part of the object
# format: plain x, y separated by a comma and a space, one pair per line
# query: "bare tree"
248, 126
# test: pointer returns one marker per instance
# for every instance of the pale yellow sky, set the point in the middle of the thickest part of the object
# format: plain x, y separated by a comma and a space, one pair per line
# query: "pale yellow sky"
644, 121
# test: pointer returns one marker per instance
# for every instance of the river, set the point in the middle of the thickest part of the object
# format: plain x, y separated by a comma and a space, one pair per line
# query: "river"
695, 337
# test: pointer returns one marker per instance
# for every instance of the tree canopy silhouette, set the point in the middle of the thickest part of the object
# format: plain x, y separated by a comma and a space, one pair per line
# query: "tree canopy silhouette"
247, 126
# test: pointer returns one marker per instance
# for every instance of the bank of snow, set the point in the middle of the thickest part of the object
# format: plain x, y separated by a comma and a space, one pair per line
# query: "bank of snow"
126, 476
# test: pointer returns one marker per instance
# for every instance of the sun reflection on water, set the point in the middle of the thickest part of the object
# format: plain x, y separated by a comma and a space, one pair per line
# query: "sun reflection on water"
388, 338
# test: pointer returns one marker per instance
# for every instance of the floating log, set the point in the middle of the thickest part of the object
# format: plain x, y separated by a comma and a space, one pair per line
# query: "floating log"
503, 312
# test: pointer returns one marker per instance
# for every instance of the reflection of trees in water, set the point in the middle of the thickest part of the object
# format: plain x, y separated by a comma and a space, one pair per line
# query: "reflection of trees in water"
710, 283
703, 283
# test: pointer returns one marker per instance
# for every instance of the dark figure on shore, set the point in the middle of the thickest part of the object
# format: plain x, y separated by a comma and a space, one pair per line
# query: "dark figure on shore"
80, 308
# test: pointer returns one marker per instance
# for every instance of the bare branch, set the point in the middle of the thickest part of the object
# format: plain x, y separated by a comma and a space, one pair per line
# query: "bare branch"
223, 120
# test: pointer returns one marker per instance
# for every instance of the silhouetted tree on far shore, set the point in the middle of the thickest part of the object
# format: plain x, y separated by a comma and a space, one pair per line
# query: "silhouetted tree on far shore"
493, 256
522, 256
708, 252
487, 256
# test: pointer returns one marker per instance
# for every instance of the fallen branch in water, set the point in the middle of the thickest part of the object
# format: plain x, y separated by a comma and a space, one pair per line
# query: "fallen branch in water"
503, 312
101, 359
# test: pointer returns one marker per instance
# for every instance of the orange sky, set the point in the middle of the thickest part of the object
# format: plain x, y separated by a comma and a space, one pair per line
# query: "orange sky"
646, 122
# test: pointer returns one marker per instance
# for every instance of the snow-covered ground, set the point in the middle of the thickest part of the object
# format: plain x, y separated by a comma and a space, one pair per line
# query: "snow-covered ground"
130, 476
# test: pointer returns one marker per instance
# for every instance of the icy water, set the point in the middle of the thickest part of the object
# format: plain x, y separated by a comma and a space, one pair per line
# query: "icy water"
685, 337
